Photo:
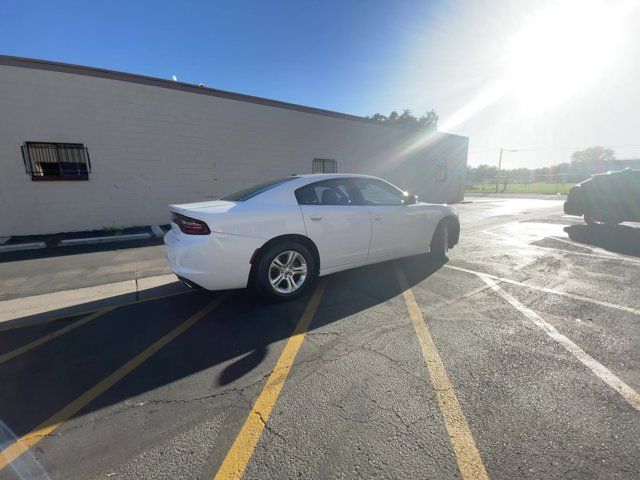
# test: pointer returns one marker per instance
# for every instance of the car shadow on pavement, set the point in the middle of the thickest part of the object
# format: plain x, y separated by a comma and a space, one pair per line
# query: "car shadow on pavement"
233, 343
622, 239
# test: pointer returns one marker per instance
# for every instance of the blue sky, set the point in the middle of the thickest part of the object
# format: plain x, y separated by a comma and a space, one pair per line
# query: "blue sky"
367, 56
332, 54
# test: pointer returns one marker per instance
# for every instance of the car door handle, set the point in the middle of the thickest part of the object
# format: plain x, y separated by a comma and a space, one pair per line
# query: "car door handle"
315, 218
377, 218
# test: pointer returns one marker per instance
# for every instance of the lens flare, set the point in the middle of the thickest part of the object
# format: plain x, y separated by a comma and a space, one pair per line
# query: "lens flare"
563, 50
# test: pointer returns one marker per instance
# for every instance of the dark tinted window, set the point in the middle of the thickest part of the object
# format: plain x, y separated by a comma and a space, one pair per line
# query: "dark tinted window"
247, 193
336, 191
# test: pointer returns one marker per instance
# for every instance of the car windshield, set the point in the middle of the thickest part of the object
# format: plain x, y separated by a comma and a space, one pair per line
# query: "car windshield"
247, 193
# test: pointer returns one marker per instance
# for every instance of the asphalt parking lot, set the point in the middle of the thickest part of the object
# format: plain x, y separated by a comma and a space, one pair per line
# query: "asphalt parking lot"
517, 358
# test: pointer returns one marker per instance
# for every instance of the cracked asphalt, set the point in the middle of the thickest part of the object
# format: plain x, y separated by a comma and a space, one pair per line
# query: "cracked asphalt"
359, 401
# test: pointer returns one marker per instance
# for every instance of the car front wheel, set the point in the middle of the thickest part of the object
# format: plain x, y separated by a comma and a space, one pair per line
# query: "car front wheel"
440, 242
285, 271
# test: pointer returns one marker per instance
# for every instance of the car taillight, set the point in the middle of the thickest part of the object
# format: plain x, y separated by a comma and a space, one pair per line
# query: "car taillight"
190, 226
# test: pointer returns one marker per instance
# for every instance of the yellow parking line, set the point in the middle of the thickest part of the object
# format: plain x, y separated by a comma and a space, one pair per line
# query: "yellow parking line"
25, 348
13, 451
61, 331
464, 447
235, 463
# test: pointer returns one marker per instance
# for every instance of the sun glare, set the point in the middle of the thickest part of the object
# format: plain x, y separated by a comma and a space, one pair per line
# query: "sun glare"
563, 50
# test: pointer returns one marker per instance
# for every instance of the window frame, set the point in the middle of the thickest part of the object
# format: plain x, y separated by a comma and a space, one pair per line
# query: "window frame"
442, 172
353, 193
322, 162
55, 148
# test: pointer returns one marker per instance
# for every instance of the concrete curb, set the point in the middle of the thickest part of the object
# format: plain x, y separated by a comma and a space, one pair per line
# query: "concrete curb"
22, 246
20, 312
75, 241
110, 238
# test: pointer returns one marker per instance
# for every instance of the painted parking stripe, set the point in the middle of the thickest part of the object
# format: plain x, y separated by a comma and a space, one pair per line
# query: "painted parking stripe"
467, 455
607, 256
236, 460
50, 336
72, 326
603, 373
548, 290
445, 303
16, 449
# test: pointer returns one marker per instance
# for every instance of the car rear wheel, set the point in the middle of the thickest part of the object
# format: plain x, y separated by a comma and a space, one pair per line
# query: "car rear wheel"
285, 271
591, 220
440, 241
600, 220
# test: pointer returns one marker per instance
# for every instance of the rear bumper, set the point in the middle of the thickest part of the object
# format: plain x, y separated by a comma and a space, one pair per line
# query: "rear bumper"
188, 283
215, 262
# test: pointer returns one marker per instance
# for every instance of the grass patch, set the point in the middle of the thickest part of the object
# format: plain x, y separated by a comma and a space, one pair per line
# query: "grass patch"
536, 187
113, 231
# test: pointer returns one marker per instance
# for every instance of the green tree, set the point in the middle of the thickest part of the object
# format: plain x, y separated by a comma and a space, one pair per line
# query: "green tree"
592, 157
427, 121
481, 172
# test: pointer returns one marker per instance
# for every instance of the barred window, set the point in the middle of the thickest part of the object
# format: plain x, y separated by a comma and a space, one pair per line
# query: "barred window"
56, 161
324, 165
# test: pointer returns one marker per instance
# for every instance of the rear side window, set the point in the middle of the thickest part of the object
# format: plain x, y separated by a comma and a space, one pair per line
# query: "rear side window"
247, 193
336, 191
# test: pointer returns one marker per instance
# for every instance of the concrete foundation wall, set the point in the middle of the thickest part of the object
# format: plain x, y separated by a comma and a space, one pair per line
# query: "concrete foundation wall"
152, 146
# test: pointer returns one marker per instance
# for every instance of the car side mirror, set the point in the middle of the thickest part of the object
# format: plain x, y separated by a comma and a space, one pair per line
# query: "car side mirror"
409, 199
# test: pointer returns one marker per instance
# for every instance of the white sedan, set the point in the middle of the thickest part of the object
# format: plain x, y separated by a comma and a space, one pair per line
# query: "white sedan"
281, 235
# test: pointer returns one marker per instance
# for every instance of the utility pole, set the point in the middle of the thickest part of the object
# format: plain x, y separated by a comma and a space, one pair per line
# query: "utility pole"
499, 167
502, 150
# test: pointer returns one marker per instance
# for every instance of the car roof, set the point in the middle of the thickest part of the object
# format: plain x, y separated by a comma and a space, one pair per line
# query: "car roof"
299, 181
324, 176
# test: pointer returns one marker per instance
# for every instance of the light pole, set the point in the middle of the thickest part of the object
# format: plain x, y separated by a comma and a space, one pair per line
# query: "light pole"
502, 150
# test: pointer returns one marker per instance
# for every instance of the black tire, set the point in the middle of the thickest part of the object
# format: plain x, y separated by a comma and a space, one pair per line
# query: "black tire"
590, 220
593, 220
440, 242
266, 271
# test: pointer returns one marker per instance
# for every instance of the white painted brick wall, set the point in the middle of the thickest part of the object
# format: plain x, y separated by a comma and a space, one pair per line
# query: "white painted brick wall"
152, 146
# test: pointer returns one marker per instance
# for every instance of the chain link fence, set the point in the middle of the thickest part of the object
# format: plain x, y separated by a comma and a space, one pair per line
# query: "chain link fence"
549, 184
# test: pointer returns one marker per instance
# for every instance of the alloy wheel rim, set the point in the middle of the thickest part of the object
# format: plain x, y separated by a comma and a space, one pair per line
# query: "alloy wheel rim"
287, 272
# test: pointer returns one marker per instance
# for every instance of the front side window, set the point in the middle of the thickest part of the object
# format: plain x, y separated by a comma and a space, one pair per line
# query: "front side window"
56, 161
247, 193
377, 192
324, 165
336, 191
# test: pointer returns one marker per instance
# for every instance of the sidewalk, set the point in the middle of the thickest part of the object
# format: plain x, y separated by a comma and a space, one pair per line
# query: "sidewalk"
80, 279
35, 272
